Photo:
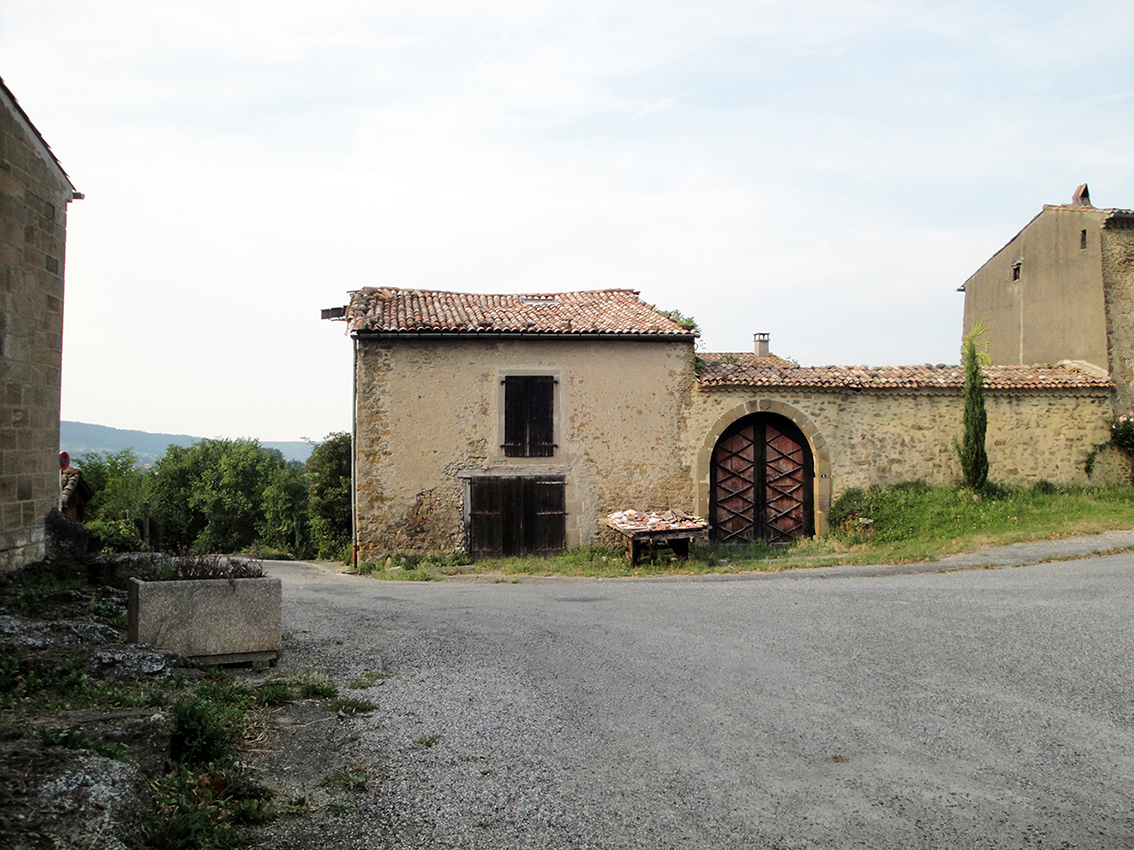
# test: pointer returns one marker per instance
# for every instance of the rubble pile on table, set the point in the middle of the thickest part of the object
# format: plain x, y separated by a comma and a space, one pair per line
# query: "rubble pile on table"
631, 520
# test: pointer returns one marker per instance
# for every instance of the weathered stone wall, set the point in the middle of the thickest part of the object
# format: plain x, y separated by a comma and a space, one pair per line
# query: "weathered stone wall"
1118, 278
886, 437
33, 207
429, 415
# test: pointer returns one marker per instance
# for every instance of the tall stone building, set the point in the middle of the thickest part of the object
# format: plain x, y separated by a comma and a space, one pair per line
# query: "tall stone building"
34, 193
1062, 289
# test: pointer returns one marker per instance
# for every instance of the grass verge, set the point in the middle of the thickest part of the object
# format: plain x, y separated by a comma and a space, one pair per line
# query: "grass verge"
904, 523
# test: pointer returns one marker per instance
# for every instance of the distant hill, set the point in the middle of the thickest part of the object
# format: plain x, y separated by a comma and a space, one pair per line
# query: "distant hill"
78, 437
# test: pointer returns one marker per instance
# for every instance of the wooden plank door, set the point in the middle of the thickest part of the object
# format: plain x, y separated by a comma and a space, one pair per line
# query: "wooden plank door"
517, 515
761, 482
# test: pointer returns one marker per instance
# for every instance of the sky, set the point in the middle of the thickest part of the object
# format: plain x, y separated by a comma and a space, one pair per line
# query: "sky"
829, 172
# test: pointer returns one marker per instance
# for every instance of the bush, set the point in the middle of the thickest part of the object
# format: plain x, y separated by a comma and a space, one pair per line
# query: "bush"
116, 536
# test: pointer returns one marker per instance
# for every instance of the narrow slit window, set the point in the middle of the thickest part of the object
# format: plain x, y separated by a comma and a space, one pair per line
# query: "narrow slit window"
1082, 239
1016, 269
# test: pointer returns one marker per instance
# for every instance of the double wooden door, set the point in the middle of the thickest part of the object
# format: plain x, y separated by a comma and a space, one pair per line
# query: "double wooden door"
517, 515
762, 474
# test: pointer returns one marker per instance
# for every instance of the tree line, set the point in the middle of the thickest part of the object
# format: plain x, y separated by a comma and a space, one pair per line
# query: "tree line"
223, 496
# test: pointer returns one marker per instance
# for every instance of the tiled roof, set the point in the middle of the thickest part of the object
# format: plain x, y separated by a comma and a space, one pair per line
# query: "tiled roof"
745, 370
606, 311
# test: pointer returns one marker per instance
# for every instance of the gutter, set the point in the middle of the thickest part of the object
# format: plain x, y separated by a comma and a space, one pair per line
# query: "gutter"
527, 335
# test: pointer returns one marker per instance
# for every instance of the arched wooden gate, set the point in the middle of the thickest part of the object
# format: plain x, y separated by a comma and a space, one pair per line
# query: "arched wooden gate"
762, 477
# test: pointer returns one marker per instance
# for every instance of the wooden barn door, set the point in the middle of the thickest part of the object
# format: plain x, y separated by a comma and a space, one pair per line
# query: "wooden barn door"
517, 516
761, 482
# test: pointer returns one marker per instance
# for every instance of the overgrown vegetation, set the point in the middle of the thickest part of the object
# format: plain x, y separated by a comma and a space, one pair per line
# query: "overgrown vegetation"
224, 496
904, 523
205, 798
198, 567
686, 322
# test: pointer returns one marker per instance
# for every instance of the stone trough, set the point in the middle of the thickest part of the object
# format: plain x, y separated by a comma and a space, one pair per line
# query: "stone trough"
212, 621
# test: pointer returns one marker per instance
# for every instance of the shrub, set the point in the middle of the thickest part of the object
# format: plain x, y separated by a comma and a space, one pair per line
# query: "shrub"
115, 536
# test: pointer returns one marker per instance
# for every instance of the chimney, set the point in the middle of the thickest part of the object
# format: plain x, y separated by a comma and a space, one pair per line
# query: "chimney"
762, 343
1082, 197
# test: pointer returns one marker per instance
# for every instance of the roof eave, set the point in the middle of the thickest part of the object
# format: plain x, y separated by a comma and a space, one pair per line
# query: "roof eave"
481, 334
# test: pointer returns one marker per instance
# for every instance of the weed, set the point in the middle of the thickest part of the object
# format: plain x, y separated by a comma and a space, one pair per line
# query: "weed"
301, 805
355, 778
209, 809
427, 740
351, 707
341, 808
367, 679
273, 692
75, 739
312, 684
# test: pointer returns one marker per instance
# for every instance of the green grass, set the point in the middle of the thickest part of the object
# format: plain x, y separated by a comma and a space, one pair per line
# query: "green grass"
905, 523
369, 678
355, 778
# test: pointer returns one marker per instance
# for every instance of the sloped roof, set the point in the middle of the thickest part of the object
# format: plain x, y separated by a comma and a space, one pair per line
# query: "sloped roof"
613, 312
37, 138
741, 370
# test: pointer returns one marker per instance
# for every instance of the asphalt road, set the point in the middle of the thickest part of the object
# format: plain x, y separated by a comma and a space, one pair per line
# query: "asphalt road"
970, 708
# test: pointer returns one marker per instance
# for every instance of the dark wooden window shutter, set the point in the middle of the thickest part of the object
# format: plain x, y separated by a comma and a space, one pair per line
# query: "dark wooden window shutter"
529, 416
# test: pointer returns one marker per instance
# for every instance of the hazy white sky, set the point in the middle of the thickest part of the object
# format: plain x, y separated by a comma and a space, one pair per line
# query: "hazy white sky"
827, 171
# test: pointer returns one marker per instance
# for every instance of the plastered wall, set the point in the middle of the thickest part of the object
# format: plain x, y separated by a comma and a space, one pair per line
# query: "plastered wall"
429, 415
1051, 308
636, 431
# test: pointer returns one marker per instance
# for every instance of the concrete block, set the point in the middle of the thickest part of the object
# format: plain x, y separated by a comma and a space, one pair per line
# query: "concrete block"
215, 621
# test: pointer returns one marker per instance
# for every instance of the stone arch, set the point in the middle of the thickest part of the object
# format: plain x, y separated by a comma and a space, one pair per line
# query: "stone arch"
820, 453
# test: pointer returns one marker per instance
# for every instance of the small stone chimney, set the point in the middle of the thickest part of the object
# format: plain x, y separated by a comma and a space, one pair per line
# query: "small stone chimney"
1082, 197
763, 342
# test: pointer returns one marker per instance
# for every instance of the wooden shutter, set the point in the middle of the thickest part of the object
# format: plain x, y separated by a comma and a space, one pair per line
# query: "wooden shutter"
529, 416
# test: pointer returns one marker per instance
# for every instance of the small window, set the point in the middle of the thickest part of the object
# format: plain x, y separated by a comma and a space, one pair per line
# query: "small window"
529, 416
1016, 268
1082, 239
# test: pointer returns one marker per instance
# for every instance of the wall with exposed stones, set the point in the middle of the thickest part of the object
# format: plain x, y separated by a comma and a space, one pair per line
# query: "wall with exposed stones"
885, 437
429, 415
1118, 282
34, 194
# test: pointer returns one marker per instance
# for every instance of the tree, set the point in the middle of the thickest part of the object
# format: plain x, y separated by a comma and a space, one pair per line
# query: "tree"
974, 459
329, 475
120, 487
287, 522
210, 496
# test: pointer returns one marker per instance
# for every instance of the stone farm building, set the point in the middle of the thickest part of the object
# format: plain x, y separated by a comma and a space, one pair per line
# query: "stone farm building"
515, 423
1062, 289
34, 194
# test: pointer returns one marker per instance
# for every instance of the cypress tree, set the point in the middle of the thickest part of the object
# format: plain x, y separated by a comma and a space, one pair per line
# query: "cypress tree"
974, 459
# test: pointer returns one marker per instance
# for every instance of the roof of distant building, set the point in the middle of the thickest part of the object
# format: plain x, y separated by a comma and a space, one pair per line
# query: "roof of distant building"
607, 312
745, 370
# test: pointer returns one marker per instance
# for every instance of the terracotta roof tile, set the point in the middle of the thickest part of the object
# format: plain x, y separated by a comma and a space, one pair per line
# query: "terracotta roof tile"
603, 311
745, 370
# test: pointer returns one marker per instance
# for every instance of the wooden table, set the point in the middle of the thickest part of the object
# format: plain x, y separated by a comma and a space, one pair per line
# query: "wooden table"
678, 538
